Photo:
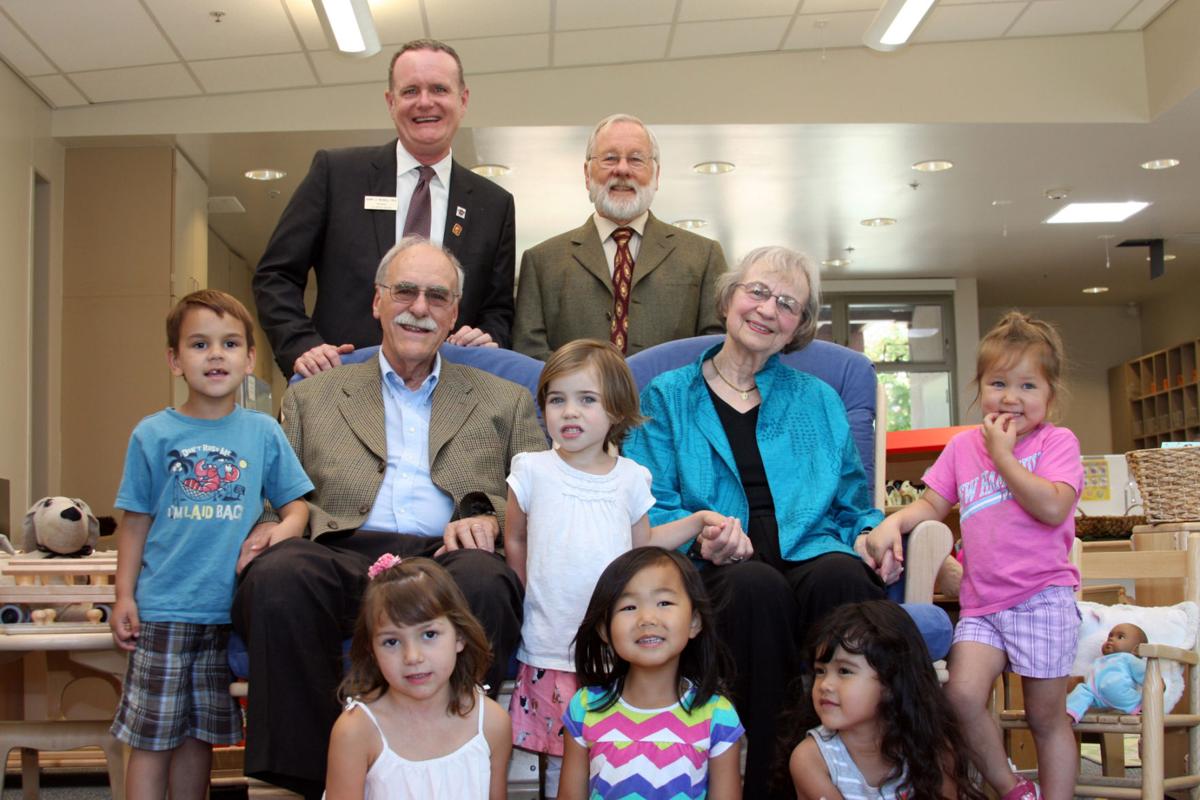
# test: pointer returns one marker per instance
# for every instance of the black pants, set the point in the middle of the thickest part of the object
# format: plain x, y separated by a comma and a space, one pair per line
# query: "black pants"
763, 615
294, 606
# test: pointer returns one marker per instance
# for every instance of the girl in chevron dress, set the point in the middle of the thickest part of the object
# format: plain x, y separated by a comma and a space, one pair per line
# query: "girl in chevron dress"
650, 722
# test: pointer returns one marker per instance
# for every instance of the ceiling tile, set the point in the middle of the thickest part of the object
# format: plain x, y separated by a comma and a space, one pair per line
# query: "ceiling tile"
572, 15
399, 21
959, 23
59, 91
840, 30
694, 10
249, 27
1142, 15
838, 6
91, 35
980, 2
611, 46
333, 67
305, 18
457, 19
19, 52
503, 53
1057, 17
254, 73
136, 83
728, 36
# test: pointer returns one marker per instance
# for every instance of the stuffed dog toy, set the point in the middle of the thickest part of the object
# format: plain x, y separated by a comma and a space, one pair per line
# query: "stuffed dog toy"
61, 526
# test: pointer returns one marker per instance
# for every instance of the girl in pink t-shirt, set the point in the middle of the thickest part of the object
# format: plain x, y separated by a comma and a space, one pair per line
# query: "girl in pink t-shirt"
1016, 480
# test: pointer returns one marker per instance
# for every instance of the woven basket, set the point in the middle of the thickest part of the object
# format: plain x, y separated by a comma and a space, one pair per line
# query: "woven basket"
1169, 482
1093, 529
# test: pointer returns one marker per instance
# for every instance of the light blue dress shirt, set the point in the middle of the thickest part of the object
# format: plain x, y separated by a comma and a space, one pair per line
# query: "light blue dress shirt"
408, 501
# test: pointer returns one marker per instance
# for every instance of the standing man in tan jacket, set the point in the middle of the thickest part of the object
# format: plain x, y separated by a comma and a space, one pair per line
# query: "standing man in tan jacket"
624, 275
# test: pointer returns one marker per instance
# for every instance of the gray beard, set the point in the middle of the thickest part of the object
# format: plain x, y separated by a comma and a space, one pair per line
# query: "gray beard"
620, 210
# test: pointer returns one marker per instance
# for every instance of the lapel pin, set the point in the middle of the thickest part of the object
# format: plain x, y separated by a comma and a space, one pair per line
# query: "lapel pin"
457, 229
461, 213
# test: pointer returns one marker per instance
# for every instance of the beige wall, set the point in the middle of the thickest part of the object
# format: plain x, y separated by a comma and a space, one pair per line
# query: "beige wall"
1096, 338
26, 149
1172, 319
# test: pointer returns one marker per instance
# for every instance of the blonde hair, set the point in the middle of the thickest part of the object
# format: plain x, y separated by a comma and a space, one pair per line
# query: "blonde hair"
413, 592
618, 390
1010, 339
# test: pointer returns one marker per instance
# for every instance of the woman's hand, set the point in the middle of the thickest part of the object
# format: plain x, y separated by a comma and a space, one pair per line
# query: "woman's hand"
725, 543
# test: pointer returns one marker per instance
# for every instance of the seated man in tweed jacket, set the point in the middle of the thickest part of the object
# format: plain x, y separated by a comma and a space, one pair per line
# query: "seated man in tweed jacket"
409, 455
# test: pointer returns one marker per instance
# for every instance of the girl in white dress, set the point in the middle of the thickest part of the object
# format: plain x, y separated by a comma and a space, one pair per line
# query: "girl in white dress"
416, 724
571, 511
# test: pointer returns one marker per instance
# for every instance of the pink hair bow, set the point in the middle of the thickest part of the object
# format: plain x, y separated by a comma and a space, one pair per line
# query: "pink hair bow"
385, 561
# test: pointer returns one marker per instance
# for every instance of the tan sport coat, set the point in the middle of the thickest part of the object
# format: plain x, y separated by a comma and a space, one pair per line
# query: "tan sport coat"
565, 292
335, 423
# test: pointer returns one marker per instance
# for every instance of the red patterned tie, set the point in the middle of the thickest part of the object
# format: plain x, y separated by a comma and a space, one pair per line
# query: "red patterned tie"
622, 283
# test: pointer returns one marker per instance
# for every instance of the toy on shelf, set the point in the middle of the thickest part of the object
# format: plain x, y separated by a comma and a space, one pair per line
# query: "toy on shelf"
58, 584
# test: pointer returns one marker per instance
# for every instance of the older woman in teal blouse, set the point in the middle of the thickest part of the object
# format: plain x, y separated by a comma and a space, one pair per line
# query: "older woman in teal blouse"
740, 433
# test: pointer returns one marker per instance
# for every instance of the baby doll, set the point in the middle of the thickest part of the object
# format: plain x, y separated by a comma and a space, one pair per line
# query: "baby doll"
1115, 678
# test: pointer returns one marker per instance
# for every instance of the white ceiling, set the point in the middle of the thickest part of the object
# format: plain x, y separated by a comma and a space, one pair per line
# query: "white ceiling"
804, 185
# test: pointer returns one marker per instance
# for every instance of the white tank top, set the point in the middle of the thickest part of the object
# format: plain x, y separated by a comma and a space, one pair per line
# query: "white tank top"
464, 774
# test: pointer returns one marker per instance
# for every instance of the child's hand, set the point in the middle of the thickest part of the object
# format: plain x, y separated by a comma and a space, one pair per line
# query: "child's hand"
883, 540
722, 540
999, 435
126, 627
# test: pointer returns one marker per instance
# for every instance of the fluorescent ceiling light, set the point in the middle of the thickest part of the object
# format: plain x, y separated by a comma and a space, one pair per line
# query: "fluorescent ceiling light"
1097, 212
348, 26
894, 23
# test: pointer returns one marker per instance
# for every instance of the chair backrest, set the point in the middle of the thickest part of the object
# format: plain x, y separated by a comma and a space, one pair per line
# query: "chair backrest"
1145, 564
508, 364
851, 374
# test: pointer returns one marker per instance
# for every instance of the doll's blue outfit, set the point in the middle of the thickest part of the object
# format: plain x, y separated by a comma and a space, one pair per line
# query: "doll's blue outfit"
1114, 681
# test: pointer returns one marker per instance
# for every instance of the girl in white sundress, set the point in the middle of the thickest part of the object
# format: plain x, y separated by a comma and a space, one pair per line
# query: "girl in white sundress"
416, 724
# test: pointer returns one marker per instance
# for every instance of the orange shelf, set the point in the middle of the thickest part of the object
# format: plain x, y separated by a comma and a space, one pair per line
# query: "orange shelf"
922, 440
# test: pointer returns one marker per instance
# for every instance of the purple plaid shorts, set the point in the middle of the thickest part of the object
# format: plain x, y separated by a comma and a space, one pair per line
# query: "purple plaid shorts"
1038, 635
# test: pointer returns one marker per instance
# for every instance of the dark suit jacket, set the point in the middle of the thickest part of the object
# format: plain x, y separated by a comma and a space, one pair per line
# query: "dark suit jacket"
326, 227
565, 291
335, 423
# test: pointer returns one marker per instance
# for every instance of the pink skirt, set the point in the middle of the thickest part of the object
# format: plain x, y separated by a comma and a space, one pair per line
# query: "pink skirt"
537, 706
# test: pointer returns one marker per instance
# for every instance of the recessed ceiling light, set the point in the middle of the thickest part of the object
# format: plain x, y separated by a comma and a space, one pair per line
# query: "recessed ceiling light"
491, 170
878, 222
1166, 257
265, 174
1161, 163
933, 166
1097, 212
690, 224
713, 167
836, 262
1095, 290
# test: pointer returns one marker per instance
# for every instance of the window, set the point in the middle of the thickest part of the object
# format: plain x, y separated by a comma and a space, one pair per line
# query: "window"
908, 338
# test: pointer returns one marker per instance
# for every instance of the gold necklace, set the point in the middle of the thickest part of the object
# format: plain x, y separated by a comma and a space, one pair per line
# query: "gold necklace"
744, 393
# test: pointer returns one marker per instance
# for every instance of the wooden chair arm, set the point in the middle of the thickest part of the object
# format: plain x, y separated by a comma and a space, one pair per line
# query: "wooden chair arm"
1166, 651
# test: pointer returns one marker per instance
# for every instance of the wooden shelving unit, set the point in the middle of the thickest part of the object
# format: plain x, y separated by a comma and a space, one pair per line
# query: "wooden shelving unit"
1158, 398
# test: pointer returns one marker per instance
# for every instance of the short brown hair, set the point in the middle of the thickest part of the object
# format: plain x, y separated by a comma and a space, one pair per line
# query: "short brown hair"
426, 44
618, 390
413, 592
215, 301
1011, 338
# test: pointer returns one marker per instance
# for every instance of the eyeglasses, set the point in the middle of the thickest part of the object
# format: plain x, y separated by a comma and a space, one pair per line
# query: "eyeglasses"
405, 294
637, 161
761, 293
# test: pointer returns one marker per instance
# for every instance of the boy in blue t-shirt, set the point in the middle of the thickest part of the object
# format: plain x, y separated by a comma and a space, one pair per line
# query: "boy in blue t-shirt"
193, 486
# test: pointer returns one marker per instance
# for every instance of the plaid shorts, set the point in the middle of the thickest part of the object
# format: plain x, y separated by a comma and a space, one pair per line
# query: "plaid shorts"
177, 687
1038, 635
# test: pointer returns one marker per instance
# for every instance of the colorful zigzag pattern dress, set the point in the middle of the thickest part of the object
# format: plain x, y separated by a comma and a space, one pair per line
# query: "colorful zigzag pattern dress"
650, 754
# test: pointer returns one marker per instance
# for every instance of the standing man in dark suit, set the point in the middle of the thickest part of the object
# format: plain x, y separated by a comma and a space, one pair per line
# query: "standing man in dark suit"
624, 275
355, 203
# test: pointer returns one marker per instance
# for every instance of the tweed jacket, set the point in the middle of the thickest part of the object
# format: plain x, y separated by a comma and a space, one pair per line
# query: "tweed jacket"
822, 498
565, 291
325, 227
335, 423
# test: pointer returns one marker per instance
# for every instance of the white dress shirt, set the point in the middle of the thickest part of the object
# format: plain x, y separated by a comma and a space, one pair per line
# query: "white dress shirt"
606, 226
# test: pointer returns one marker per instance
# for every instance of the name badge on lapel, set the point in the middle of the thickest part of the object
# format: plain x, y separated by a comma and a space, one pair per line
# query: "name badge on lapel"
372, 202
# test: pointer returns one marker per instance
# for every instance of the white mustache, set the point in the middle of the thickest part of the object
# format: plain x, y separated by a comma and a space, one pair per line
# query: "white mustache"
407, 318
